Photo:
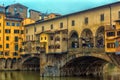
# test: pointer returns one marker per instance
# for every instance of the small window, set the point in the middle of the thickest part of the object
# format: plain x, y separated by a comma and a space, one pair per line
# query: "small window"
18, 24
7, 23
42, 28
21, 9
51, 26
61, 25
7, 38
34, 29
51, 37
73, 23
41, 38
110, 34
45, 38
13, 24
15, 54
16, 47
102, 17
0, 46
16, 38
16, 31
26, 30
119, 15
7, 45
86, 20
22, 31
0, 24
6, 53
7, 30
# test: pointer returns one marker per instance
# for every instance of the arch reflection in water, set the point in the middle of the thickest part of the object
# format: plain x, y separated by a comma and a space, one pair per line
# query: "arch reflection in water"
30, 75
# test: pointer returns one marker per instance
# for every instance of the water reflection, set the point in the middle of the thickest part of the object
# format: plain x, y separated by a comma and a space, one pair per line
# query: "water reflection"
24, 75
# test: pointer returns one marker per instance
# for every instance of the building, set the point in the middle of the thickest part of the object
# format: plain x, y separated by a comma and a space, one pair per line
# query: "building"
53, 15
17, 10
11, 35
35, 15
84, 28
112, 38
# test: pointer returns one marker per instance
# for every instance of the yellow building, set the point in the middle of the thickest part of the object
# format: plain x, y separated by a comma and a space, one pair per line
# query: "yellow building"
11, 36
112, 38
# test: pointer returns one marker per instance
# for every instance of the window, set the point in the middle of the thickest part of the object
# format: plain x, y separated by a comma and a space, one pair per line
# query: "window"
16, 39
0, 31
26, 30
7, 23
110, 45
73, 23
86, 20
22, 31
45, 38
51, 37
6, 53
7, 38
0, 24
102, 17
110, 34
34, 29
32, 37
16, 47
15, 54
118, 33
7, 45
51, 26
41, 38
0, 46
18, 24
61, 25
16, 31
13, 24
119, 14
7, 30
42, 28
21, 9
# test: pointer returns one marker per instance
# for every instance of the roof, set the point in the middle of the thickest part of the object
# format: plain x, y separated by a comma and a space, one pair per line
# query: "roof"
107, 5
34, 10
16, 4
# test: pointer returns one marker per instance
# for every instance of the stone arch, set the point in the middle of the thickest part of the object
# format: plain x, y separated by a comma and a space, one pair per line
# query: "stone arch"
87, 39
74, 39
100, 37
30, 63
83, 65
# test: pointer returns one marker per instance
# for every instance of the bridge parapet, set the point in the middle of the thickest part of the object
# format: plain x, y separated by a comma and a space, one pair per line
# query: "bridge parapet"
86, 50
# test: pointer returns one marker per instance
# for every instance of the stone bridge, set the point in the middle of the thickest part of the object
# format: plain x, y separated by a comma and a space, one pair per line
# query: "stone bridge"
77, 62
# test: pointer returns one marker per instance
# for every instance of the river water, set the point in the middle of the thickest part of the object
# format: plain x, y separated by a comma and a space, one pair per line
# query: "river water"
29, 75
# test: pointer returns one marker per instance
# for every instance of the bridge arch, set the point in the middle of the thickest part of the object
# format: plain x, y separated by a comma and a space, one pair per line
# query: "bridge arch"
77, 65
100, 37
74, 39
30, 63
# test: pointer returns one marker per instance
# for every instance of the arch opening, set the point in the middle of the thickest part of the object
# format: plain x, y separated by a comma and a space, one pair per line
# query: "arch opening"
100, 37
87, 38
83, 66
32, 64
74, 40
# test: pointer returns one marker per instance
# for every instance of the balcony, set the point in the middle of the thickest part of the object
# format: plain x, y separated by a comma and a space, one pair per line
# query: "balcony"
87, 50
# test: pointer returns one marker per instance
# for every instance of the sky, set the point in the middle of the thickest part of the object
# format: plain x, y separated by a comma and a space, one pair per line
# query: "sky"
59, 6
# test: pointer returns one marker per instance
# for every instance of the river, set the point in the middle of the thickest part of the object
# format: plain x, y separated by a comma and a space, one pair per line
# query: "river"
29, 75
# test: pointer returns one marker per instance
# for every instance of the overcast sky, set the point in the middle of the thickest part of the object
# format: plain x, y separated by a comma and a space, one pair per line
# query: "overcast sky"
59, 6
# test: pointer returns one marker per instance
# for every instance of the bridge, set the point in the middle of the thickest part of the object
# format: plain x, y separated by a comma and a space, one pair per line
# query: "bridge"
77, 62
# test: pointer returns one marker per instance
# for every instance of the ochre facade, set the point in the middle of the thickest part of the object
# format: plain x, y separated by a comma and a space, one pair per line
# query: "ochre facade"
84, 29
